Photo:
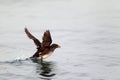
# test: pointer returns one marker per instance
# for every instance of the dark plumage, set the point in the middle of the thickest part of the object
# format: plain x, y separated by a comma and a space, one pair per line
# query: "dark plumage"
45, 48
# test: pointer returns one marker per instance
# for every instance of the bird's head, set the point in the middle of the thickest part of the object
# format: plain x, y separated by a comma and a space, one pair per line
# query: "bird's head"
55, 46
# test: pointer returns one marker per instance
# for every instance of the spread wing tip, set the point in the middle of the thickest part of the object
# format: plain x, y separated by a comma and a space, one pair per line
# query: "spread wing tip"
36, 41
26, 30
47, 31
29, 34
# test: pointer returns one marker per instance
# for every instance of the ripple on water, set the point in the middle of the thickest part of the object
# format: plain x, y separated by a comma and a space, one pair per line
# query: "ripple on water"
27, 69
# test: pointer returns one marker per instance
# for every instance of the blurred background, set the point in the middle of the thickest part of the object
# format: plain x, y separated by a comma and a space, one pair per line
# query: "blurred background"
87, 30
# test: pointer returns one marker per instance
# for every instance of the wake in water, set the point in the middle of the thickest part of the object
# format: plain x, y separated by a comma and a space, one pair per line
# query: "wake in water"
16, 61
42, 70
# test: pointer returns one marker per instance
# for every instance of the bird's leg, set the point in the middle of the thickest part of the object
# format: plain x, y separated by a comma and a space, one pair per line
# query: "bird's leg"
41, 59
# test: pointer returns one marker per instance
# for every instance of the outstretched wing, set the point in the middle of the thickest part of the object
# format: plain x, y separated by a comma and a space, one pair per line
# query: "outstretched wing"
36, 41
47, 40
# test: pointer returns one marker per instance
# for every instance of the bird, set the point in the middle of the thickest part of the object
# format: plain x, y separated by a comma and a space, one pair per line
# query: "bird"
44, 48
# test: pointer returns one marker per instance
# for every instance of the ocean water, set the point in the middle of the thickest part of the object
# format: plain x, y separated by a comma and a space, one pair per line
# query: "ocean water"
87, 30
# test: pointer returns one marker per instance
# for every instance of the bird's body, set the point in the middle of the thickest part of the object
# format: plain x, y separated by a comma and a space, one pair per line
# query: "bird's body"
45, 55
44, 49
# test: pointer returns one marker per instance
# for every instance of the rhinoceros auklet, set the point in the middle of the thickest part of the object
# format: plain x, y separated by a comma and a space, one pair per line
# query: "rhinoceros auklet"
45, 48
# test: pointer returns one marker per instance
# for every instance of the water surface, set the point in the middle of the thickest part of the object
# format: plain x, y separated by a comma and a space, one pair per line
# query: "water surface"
88, 32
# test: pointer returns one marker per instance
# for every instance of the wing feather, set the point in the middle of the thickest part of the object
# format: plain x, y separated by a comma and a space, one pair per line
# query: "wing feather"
47, 40
36, 41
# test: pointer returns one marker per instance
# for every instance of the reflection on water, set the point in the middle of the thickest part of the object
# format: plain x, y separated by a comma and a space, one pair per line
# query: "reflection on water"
44, 69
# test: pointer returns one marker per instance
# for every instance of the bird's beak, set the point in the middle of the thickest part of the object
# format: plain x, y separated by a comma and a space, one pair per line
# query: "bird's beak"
59, 46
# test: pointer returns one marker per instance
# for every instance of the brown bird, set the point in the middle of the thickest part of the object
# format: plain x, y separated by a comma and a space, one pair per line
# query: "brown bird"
45, 48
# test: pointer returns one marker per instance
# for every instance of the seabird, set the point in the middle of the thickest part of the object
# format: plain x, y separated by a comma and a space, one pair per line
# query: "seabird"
44, 49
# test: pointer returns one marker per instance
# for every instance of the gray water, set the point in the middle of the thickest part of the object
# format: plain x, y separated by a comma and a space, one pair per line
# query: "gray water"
87, 30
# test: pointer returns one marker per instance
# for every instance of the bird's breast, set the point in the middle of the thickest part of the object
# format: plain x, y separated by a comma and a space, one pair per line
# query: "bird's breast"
44, 55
